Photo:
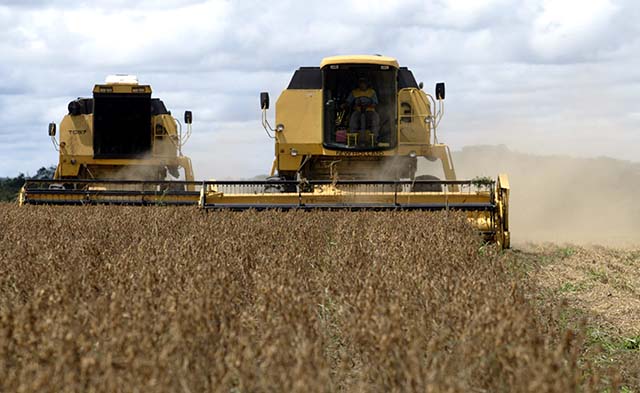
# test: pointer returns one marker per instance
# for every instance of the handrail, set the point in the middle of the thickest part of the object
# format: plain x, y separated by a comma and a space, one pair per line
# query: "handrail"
477, 182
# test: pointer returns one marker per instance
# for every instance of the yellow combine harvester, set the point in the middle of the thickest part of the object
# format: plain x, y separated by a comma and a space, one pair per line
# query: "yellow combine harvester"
117, 147
348, 135
356, 117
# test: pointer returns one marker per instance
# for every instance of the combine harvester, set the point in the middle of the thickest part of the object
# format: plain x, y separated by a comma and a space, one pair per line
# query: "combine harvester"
348, 135
117, 148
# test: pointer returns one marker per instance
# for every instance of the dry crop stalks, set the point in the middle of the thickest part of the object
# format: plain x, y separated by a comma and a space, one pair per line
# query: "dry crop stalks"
170, 299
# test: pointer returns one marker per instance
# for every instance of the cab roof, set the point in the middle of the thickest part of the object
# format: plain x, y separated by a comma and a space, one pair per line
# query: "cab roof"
360, 59
120, 88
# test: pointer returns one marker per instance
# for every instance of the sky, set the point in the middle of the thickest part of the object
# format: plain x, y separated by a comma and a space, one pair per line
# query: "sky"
539, 76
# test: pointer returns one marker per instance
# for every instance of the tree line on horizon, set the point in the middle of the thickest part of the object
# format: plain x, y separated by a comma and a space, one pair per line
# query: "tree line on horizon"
10, 186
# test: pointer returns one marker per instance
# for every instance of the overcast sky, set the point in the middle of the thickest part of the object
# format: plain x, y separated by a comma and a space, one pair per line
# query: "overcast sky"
541, 76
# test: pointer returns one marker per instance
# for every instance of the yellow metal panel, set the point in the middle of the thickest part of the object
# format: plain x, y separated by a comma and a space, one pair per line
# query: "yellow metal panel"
360, 59
412, 126
300, 111
66, 169
289, 163
76, 135
122, 89
165, 136
503, 180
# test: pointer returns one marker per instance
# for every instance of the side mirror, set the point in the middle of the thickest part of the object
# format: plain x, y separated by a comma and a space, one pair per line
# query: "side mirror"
188, 117
420, 85
264, 100
52, 129
440, 91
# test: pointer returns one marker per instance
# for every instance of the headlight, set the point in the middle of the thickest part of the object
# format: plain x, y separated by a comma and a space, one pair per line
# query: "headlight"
280, 127
294, 152
413, 154
427, 119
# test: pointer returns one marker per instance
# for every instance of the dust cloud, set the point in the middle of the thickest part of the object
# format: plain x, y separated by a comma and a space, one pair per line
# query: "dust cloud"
560, 199
143, 172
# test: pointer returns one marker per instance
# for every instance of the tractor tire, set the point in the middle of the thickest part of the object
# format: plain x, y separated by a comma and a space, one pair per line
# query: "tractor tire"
427, 187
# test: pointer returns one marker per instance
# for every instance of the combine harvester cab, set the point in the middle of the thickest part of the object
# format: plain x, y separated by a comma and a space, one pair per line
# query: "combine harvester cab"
117, 147
348, 136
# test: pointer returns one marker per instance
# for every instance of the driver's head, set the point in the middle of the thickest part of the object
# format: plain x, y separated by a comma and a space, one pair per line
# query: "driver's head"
363, 83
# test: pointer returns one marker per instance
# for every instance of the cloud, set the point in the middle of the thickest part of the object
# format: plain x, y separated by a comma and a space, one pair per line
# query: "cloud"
574, 30
537, 75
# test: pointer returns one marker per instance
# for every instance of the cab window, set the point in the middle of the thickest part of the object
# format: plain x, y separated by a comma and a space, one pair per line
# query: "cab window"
360, 108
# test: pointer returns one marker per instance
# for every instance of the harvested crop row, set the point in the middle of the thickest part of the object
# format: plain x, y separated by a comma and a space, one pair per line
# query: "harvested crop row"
171, 299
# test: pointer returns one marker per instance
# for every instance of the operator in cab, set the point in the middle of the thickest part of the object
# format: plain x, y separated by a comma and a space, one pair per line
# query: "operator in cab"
364, 121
